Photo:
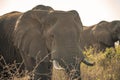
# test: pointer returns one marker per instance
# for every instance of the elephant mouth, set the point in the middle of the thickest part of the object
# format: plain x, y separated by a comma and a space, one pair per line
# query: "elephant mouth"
72, 75
57, 66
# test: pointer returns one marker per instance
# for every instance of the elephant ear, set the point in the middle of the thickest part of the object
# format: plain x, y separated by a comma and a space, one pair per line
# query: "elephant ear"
102, 34
28, 35
116, 26
77, 18
101, 25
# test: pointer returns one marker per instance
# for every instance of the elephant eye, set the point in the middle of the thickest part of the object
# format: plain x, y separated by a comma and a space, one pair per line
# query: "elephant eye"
78, 40
49, 41
51, 36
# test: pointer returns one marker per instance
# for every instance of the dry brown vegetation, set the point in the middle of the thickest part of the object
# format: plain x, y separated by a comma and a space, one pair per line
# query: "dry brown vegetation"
107, 67
59, 75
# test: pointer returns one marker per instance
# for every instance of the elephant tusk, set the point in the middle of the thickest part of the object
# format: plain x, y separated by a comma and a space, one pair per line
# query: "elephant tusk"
88, 63
57, 66
53, 51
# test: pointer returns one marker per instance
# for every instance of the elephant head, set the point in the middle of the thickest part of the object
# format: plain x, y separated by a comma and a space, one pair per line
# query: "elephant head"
42, 7
63, 42
57, 33
115, 26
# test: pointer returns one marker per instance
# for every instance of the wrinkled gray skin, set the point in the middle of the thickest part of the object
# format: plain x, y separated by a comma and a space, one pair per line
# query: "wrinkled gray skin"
7, 24
34, 42
43, 36
101, 35
7, 49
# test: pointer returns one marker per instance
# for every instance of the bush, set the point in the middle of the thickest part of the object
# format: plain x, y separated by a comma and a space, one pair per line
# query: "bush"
11, 71
107, 65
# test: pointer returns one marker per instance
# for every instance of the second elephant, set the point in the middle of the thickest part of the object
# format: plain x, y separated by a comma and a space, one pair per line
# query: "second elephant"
100, 36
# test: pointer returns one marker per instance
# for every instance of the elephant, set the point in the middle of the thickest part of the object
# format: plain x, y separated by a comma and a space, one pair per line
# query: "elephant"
41, 39
48, 39
7, 23
101, 35
7, 50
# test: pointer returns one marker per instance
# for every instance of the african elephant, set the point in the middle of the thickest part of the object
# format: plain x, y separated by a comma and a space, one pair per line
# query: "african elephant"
47, 38
100, 36
7, 24
40, 38
7, 50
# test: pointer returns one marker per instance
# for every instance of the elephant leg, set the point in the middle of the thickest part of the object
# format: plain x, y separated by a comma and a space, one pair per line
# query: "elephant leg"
43, 71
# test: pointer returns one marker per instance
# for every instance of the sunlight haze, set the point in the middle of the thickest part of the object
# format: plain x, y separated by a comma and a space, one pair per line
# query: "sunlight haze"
90, 11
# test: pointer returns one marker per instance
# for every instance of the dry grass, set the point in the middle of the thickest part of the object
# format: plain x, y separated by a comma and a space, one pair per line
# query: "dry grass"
59, 75
22, 78
11, 71
107, 65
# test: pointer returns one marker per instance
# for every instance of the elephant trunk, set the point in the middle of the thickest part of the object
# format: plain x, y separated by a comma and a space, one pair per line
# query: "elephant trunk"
85, 61
69, 75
